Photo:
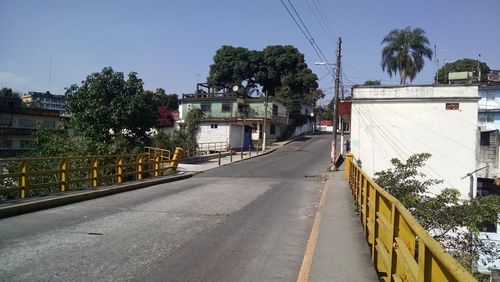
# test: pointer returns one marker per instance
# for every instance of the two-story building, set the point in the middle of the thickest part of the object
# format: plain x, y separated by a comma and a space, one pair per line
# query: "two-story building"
233, 119
18, 124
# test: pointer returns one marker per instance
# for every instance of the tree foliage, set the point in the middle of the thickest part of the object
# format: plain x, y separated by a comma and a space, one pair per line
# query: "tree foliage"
280, 70
404, 52
185, 137
452, 221
107, 106
8, 93
465, 64
372, 82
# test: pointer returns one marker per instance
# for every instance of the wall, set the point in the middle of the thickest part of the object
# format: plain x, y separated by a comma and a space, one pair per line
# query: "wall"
396, 122
488, 155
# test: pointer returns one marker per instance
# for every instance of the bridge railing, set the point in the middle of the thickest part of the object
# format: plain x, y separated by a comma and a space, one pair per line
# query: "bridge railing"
27, 177
402, 250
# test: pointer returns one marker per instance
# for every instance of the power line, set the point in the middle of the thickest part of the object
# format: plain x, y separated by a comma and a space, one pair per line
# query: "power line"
328, 34
305, 31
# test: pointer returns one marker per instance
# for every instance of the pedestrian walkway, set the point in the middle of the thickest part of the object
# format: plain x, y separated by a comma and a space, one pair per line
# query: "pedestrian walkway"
341, 252
213, 163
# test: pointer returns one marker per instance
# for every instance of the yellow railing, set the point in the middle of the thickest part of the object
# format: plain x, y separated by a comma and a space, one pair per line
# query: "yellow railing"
26, 177
402, 250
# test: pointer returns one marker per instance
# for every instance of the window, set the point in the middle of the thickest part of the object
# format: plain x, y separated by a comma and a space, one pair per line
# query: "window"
490, 95
272, 129
26, 144
226, 107
206, 108
27, 123
213, 125
48, 124
275, 110
6, 144
6, 121
485, 138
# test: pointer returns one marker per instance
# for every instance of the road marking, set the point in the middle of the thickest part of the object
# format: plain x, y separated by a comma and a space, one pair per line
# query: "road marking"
313, 238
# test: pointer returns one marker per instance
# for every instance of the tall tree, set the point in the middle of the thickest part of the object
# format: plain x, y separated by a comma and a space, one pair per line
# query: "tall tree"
169, 101
404, 52
465, 64
280, 70
107, 106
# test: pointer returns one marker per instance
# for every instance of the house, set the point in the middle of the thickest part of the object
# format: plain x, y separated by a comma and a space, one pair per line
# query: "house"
398, 121
46, 100
489, 107
18, 124
232, 120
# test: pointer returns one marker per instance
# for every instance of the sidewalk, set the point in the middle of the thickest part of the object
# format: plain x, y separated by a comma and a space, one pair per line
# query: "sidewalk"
341, 252
213, 163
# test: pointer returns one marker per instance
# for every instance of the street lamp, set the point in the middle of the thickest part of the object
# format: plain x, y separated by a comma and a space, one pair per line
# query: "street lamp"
335, 114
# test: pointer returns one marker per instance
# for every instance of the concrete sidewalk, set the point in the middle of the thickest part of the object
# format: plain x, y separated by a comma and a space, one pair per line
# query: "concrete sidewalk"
341, 252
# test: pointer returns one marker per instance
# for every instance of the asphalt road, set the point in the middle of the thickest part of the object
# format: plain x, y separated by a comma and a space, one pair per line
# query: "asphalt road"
249, 221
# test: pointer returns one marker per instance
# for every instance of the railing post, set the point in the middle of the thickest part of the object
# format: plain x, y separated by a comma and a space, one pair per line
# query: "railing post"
348, 165
230, 154
119, 169
219, 156
139, 167
176, 158
249, 150
156, 165
241, 152
94, 172
257, 151
22, 183
63, 174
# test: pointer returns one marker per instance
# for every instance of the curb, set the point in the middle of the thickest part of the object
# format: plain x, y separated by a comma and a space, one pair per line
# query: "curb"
13, 209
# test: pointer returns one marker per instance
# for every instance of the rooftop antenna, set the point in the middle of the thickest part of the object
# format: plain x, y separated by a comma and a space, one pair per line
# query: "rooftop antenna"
50, 74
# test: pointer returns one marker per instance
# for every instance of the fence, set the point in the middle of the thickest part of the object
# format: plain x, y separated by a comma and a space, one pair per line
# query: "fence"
401, 248
27, 177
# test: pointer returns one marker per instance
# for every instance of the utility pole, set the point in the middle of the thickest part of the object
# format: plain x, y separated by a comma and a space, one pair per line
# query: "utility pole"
335, 104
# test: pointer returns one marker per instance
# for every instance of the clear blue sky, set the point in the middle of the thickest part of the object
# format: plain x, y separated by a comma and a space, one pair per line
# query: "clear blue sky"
170, 44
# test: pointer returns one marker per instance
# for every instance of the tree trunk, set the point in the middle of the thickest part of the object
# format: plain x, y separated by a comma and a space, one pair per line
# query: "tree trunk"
402, 77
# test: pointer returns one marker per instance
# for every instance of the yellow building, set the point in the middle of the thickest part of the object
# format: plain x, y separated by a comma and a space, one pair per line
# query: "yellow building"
18, 124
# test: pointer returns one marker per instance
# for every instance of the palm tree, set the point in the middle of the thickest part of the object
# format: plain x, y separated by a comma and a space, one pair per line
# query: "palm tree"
404, 52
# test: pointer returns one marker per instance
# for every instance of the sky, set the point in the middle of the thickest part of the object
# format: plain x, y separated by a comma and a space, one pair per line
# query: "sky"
49, 45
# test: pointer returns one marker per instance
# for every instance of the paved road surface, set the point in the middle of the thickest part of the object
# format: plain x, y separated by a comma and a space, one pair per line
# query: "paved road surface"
249, 221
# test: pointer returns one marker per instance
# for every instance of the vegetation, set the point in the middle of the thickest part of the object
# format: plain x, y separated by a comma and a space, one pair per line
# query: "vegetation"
185, 137
453, 222
404, 52
280, 70
8, 93
372, 82
469, 65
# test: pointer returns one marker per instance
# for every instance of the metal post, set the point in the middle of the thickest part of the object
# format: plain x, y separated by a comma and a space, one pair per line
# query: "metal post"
241, 152
230, 154
265, 123
257, 151
249, 150
219, 157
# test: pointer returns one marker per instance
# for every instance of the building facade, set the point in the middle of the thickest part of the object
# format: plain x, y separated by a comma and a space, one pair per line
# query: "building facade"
235, 120
18, 124
489, 107
46, 100
398, 121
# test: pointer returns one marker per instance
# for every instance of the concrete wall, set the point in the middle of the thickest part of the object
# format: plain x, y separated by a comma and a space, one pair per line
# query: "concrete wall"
488, 155
396, 122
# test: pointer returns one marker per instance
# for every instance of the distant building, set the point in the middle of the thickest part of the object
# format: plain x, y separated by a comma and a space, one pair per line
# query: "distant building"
489, 107
398, 121
462, 77
18, 124
494, 76
233, 120
46, 100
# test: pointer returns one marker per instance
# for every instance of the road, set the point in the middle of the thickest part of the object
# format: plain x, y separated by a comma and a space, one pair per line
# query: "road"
249, 221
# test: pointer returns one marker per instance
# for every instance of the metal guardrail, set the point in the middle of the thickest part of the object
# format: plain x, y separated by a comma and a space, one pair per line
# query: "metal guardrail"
26, 177
402, 250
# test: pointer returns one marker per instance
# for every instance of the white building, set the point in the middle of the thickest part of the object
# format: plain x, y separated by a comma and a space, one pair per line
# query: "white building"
398, 121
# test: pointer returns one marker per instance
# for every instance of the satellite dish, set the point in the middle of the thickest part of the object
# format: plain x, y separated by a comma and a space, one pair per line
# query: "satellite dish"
235, 88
